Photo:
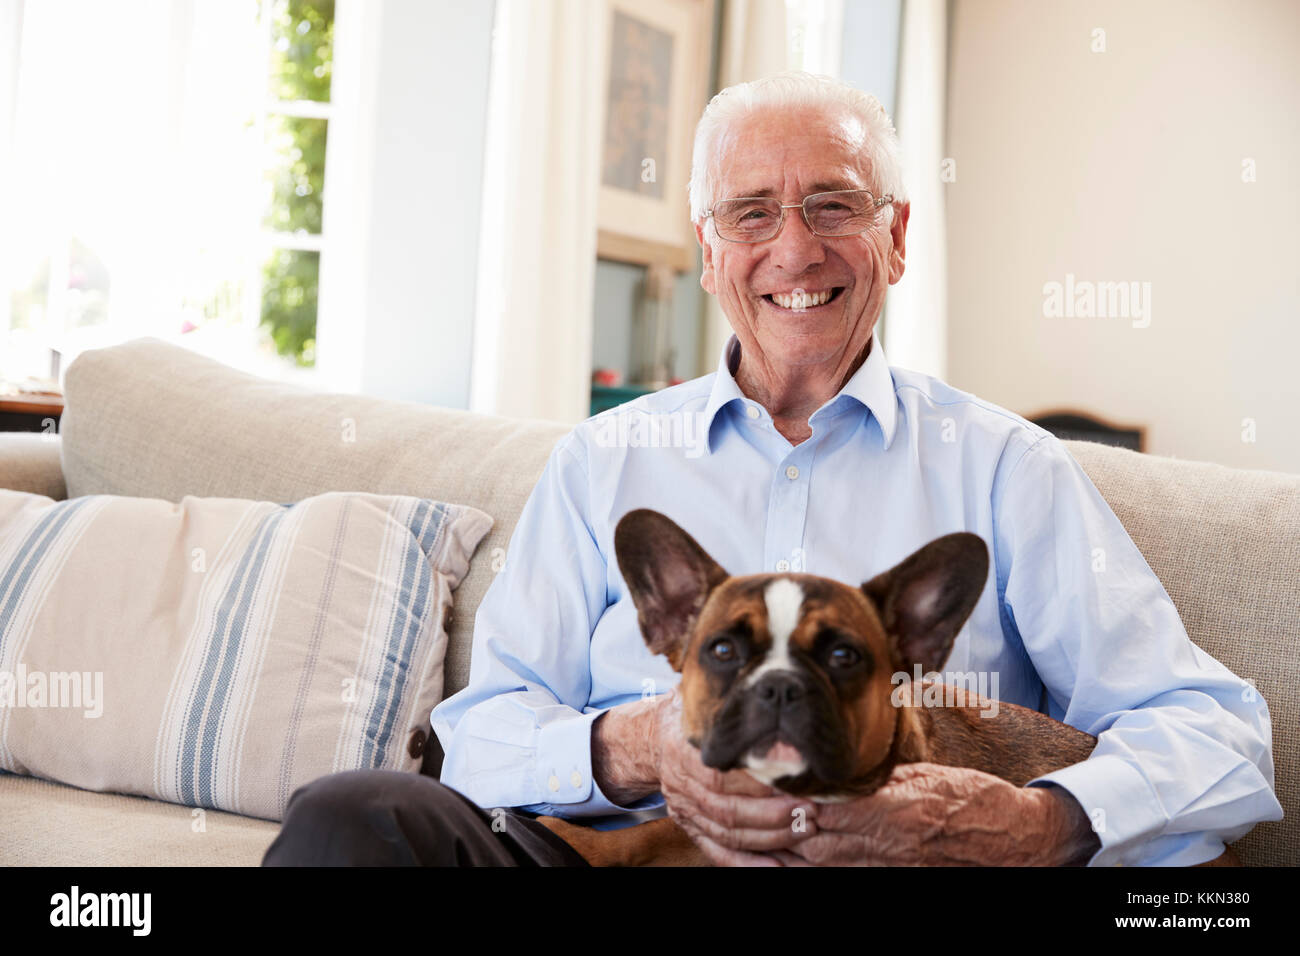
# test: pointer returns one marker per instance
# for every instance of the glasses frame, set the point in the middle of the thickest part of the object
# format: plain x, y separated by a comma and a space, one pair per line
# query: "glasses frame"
877, 202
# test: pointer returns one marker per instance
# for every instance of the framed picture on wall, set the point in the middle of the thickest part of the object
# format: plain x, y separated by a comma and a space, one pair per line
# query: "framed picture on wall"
656, 77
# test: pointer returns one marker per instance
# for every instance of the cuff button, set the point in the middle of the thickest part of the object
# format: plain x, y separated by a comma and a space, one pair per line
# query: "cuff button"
576, 779
553, 783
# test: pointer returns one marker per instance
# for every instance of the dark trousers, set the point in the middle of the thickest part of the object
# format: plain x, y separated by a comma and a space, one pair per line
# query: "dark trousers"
390, 818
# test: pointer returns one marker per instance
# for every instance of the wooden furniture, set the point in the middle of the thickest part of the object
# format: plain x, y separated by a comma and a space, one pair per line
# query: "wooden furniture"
30, 413
1075, 425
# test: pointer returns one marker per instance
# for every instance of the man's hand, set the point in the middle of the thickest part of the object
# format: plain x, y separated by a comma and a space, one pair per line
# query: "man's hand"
733, 818
933, 815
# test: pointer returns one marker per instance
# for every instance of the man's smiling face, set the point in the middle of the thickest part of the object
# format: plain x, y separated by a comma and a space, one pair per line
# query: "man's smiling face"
790, 154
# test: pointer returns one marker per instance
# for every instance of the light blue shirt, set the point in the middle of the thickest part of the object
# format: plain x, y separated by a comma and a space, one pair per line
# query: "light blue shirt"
1071, 615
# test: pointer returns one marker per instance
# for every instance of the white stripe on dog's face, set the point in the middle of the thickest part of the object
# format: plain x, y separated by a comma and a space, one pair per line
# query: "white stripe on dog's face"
783, 599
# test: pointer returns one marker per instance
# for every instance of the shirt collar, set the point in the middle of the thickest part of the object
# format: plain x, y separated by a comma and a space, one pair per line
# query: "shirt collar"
872, 386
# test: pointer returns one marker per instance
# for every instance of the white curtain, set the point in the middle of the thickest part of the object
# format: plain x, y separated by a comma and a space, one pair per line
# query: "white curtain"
11, 26
815, 35
537, 253
916, 310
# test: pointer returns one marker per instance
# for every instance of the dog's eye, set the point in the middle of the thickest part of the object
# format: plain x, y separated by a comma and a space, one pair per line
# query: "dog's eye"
723, 650
844, 656
728, 648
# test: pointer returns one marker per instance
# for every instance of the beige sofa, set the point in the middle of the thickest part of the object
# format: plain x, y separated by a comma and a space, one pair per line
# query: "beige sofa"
151, 419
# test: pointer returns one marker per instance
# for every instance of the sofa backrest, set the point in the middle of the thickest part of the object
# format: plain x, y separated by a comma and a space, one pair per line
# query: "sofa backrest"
151, 419
1225, 543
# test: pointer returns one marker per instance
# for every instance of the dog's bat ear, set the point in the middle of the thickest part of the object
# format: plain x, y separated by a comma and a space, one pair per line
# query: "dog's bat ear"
669, 576
924, 600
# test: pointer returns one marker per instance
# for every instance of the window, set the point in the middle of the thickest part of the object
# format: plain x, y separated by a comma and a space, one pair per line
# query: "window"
814, 34
165, 175
300, 35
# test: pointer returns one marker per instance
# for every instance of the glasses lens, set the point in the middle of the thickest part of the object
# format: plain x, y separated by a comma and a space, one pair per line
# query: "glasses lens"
845, 213
747, 220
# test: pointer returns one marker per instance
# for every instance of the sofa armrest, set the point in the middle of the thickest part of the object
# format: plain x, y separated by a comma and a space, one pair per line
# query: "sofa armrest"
29, 461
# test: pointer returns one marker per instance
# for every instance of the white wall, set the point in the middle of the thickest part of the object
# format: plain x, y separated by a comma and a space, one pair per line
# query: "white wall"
1127, 165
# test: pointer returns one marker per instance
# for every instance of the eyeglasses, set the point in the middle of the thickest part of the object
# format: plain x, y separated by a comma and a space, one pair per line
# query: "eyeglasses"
845, 212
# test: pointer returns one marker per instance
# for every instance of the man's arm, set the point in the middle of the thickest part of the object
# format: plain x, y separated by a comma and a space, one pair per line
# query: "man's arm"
517, 735
624, 761
1183, 762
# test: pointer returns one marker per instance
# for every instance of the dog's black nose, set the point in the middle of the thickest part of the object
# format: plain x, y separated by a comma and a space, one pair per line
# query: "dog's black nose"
778, 689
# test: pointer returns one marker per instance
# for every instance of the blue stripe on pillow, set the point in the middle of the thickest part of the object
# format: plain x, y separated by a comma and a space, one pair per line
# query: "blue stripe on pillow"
386, 704
13, 586
198, 764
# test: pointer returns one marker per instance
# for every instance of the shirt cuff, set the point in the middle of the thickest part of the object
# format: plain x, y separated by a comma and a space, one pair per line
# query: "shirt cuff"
564, 775
1124, 810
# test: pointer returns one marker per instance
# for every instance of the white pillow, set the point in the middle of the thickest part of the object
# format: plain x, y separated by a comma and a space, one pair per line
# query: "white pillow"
222, 652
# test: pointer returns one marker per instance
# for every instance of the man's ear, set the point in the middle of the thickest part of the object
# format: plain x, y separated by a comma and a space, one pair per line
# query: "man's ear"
669, 577
898, 233
924, 600
706, 265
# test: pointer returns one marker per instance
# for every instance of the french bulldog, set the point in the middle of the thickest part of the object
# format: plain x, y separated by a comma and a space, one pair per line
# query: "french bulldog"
795, 678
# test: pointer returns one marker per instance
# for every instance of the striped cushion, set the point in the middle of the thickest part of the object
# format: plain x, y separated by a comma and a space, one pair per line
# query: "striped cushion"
222, 652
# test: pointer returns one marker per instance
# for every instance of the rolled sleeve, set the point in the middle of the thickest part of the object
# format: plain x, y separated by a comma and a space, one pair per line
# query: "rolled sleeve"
1183, 761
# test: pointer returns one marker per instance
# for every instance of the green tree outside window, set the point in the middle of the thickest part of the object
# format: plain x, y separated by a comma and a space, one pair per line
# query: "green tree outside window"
302, 53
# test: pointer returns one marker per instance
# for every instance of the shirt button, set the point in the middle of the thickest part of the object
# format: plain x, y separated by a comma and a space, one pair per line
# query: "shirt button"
783, 565
792, 472
751, 411
553, 783
416, 745
576, 779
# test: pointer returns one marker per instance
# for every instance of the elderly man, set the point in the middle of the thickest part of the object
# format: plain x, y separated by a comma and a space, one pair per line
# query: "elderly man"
816, 455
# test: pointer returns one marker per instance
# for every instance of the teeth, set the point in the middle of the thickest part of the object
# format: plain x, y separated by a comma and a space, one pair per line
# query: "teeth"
801, 300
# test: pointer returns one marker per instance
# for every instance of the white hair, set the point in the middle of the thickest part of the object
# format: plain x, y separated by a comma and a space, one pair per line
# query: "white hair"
784, 91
